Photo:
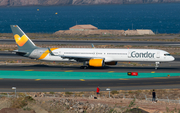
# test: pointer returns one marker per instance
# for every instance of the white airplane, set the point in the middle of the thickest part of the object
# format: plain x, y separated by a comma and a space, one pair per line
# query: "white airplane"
94, 57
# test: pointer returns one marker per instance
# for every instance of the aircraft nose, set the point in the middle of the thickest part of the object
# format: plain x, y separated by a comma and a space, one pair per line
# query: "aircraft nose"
173, 58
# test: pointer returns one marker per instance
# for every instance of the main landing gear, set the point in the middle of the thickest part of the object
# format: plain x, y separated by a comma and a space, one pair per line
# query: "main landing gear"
85, 65
157, 65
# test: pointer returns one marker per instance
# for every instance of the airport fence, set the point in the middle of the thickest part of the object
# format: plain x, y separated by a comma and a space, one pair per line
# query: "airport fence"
10, 95
91, 96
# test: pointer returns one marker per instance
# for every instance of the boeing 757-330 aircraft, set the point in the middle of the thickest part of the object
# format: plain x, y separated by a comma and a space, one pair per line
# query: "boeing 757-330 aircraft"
94, 57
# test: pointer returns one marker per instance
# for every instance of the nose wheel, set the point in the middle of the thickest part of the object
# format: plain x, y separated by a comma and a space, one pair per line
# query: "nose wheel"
157, 65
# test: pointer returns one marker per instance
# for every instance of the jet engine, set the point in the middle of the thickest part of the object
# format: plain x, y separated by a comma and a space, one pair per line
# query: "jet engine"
111, 63
96, 62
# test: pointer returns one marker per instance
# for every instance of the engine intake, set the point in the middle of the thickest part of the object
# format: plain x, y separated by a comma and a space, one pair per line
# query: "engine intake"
96, 62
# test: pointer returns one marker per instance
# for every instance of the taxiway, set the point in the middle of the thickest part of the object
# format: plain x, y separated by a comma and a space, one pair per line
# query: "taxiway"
98, 42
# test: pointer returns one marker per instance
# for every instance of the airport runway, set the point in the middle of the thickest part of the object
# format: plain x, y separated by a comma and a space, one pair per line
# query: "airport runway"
42, 85
88, 85
38, 67
89, 42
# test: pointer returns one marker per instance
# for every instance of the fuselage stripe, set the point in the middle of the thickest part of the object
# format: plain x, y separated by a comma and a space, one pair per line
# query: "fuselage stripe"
46, 53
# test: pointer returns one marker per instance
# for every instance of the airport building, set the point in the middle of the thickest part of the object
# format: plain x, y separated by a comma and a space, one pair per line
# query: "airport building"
83, 27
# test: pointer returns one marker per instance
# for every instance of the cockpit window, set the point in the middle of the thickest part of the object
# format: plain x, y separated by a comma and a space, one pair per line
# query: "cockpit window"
167, 54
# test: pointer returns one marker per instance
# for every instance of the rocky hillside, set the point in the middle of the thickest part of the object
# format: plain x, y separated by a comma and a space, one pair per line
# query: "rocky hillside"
76, 2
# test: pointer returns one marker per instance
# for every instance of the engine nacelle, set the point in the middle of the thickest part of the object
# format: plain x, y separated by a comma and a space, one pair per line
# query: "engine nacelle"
96, 62
111, 63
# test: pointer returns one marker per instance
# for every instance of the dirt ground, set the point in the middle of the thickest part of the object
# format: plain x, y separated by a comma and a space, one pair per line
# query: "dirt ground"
117, 104
74, 102
145, 105
140, 101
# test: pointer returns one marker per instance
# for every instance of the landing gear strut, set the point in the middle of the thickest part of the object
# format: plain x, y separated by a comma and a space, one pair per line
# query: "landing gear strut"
85, 65
157, 65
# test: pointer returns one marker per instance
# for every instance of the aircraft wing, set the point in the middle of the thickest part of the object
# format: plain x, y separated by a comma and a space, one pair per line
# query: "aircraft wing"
81, 58
77, 58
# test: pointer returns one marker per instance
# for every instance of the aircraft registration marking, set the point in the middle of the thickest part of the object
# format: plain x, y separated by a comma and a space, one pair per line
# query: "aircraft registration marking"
82, 80
69, 71
37, 79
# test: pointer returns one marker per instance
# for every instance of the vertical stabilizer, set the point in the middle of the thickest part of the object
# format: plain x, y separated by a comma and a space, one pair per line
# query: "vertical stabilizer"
22, 40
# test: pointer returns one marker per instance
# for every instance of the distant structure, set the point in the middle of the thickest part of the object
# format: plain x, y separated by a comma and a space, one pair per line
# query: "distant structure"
145, 32
92, 30
139, 32
83, 27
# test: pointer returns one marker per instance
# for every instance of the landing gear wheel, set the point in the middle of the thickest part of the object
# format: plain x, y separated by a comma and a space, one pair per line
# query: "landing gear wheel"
84, 67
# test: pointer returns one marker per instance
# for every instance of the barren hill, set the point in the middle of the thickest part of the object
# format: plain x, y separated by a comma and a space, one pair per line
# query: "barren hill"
76, 2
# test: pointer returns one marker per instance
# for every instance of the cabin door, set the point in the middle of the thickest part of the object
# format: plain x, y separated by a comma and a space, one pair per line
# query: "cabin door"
129, 54
158, 54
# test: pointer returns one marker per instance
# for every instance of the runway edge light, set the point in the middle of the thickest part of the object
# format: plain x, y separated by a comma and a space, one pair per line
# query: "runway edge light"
132, 73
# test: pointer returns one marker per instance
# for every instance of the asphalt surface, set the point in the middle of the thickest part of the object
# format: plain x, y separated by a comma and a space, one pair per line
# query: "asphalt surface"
89, 42
10, 55
88, 85
35, 85
147, 69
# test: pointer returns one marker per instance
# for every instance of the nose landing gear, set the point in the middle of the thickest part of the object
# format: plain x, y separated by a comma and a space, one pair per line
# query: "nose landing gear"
157, 65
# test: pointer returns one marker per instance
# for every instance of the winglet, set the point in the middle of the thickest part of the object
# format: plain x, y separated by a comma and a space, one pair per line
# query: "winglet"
92, 45
51, 51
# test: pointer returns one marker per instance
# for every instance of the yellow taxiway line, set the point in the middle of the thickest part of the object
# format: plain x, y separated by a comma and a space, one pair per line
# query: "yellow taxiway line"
110, 71
69, 71
123, 79
29, 70
161, 77
37, 79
